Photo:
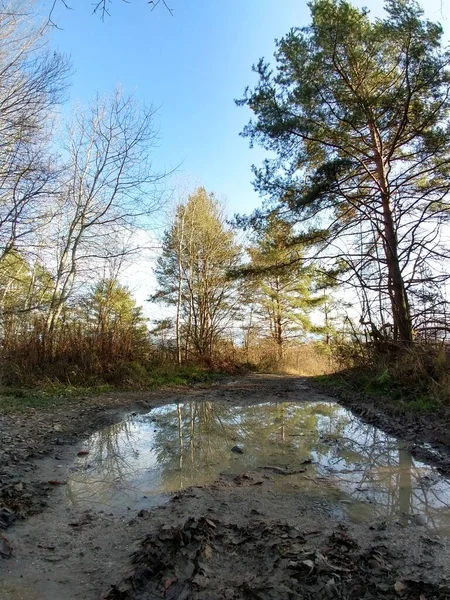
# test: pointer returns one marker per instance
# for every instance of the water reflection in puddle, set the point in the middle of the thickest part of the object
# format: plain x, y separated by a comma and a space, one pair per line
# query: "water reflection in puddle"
137, 463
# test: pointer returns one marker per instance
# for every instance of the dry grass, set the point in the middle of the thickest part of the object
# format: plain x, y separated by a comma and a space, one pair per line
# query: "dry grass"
308, 360
417, 375
301, 359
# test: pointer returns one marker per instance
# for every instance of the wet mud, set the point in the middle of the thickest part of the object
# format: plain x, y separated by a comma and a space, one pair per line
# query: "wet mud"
258, 487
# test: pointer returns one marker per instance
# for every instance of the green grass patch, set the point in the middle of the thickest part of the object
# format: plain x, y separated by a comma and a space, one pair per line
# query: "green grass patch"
129, 376
422, 404
414, 397
135, 375
13, 399
182, 375
332, 381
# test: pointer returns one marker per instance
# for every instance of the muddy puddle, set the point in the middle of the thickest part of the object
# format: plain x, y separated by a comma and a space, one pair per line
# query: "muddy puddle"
318, 448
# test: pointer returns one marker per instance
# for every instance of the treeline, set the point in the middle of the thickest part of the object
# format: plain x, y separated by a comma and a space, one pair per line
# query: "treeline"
71, 195
233, 302
347, 260
75, 195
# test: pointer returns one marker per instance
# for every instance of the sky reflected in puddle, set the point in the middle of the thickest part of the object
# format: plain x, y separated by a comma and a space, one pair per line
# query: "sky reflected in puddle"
364, 472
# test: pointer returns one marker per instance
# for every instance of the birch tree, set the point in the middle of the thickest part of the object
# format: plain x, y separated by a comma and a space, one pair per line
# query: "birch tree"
198, 252
108, 187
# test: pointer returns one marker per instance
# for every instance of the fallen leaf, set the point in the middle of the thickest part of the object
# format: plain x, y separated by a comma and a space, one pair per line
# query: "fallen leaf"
5, 548
308, 563
169, 582
399, 587
331, 590
209, 522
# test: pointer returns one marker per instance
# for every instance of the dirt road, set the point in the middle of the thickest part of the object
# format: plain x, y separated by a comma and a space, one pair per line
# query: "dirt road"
259, 533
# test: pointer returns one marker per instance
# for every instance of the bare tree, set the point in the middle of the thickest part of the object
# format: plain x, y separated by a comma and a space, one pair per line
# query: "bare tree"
32, 84
109, 185
101, 8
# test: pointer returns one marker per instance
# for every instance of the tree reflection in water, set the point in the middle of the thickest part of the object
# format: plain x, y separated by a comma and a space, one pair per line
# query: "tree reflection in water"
136, 463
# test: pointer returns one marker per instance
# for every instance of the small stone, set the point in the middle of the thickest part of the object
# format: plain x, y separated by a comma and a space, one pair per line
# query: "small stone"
420, 519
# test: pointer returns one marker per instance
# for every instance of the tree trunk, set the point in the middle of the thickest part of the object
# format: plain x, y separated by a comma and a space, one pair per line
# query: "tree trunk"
397, 292
399, 299
278, 322
180, 288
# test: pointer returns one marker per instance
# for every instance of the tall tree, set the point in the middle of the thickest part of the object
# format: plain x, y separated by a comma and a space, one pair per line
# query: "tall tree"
107, 185
32, 84
283, 285
356, 111
192, 273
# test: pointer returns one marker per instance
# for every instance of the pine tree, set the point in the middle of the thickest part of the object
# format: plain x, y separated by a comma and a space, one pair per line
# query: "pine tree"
283, 285
356, 112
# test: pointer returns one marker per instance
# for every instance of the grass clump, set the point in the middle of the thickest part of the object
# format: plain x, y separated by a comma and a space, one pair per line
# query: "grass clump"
138, 376
414, 377
47, 394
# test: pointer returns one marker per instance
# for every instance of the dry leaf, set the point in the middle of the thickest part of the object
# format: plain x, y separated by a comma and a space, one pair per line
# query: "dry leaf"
308, 563
210, 523
169, 582
399, 587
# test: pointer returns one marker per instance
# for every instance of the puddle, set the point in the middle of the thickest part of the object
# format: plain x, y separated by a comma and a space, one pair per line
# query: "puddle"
365, 473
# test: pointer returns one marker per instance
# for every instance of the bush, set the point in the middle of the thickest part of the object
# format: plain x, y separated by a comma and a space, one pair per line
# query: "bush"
418, 374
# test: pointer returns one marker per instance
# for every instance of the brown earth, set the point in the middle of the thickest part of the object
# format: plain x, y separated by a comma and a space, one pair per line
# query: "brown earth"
237, 538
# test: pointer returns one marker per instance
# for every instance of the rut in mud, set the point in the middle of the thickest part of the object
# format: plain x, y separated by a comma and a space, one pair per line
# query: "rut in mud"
254, 488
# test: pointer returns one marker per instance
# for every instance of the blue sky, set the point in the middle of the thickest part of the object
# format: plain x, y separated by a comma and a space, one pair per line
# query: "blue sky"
192, 66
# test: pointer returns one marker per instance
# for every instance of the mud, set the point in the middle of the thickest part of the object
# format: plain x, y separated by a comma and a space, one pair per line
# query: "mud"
244, 536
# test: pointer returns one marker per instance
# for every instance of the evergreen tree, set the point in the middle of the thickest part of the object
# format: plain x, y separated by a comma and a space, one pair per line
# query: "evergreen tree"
118, 324
356, 112
283, 285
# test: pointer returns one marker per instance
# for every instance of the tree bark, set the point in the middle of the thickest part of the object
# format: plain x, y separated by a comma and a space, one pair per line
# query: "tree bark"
399, 299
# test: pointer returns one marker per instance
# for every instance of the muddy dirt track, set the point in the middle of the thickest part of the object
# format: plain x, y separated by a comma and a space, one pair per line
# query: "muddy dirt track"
245, 535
